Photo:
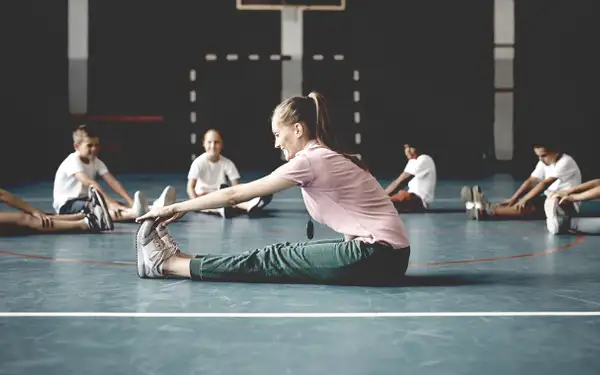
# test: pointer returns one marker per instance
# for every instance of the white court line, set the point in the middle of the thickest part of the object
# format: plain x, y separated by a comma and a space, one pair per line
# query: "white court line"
446, 200
50, 199
297, 315
289, 200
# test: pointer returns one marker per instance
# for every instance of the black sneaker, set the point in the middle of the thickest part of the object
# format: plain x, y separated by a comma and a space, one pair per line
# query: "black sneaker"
95, 223
99, 208
226, 212
257, 204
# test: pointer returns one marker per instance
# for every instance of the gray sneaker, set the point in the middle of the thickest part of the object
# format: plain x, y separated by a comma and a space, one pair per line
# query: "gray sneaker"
151, 251
165, 237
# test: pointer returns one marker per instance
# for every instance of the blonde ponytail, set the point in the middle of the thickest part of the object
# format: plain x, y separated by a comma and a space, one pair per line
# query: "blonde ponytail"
323, 134
312, 111
322, 120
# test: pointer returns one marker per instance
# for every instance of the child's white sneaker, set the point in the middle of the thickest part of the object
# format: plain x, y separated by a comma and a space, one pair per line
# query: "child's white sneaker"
140, 204
557, 220
167, 197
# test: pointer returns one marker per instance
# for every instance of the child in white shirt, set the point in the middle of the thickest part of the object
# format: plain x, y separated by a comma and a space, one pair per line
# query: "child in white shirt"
555, 171
77, 174
211, 171
421, 176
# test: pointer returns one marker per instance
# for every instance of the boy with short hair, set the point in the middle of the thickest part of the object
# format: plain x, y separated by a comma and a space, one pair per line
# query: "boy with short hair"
421, 176
554, 171
77, 174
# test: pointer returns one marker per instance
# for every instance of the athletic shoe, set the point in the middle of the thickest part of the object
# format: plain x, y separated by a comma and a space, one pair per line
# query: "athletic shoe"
151, 251
165, 237
466, 194
483, 207
257, 204
96, 223
226, 212
140, 204
167, 197
557, 219
99, 208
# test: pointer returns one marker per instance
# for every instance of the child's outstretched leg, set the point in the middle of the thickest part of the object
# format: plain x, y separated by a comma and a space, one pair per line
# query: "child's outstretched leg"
119, 212
140, 205
225, 212
479, 208
406, 202
13, 222
560, 219
68, 217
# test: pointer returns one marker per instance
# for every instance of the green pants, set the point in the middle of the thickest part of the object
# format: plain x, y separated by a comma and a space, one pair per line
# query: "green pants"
315, 262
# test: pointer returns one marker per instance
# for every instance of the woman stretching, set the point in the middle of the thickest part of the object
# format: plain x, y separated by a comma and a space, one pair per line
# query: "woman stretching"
338, 192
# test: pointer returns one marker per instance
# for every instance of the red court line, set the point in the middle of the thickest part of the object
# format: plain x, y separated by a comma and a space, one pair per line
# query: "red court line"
119, 118
578, 240
66, 259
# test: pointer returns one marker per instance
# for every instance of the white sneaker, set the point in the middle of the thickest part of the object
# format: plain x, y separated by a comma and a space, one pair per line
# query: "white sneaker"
151, 251
482, 205
557, 220
167, 197
140, 204
466, 195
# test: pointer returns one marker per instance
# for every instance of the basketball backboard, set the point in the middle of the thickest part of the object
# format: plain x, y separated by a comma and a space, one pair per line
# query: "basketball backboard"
315, 5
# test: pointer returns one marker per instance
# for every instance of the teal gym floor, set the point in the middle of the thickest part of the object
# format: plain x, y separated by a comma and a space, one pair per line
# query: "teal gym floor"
500, 297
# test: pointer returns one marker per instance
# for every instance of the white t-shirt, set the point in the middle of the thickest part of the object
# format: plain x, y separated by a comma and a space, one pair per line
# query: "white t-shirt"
66, 186
210, 175
425, 178
565, 170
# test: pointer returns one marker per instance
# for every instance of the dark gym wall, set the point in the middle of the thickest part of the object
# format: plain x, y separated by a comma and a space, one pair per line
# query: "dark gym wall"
426, 76
237, 96
141, 54
557, 80
137, 68
34, 89
435, 89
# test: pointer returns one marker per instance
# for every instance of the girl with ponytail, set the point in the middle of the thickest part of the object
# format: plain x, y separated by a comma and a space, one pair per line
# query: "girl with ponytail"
338, 192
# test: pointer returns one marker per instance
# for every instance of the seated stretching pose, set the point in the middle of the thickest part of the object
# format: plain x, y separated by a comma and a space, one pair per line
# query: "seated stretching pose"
338, 192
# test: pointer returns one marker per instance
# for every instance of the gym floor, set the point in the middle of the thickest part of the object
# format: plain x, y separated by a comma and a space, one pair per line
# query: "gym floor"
480, 297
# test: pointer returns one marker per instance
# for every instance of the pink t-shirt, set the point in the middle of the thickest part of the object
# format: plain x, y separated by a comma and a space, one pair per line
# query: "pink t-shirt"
341, 195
